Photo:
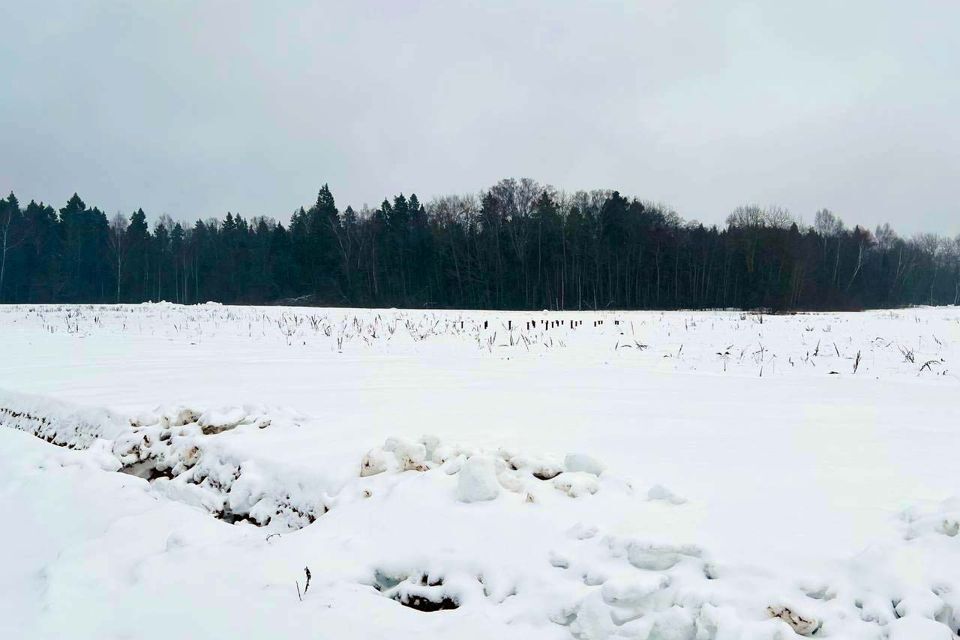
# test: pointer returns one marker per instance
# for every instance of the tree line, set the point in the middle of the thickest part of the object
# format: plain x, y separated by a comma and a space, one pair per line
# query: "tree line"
517, 245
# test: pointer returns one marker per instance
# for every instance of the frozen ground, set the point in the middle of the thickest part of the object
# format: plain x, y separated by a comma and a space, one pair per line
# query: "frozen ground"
661, 476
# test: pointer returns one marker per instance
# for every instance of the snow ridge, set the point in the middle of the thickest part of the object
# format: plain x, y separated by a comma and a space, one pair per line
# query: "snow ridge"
58, 423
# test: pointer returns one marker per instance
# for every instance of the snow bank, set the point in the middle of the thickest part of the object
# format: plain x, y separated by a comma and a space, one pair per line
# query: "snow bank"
60, 423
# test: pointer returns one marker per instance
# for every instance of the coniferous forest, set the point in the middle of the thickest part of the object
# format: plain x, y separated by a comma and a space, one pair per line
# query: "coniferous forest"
518, 245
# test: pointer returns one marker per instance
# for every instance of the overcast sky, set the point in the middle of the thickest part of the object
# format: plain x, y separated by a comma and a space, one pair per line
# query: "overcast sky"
193, 109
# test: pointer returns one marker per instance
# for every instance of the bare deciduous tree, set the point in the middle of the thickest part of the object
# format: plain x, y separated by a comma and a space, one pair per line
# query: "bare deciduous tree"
9, 221
117, 238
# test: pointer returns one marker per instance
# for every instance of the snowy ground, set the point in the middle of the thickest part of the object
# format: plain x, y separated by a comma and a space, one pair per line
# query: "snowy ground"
661, 476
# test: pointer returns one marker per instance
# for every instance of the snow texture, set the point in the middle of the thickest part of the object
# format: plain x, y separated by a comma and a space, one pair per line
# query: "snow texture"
655, 476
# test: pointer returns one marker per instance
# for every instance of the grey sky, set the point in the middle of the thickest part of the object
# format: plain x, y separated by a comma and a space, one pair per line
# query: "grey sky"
194, 109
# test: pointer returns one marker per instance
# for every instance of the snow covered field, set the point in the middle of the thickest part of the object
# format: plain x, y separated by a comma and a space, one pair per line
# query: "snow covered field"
660, 476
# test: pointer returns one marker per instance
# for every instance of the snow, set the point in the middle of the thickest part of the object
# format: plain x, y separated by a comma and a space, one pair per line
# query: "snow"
694, 476
581, 462
916, 628
477, 480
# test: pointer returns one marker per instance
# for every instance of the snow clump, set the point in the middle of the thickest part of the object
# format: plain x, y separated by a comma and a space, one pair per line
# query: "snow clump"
477, 481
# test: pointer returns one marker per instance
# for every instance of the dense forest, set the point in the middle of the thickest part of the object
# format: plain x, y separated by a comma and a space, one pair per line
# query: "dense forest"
518, 245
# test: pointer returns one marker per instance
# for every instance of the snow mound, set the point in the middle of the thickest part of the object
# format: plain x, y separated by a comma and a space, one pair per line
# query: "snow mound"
190, 455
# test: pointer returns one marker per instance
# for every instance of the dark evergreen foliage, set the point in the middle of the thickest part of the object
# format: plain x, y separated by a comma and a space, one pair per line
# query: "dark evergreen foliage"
516, 246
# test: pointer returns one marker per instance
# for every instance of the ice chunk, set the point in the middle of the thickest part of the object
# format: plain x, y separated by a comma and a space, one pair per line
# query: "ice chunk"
559, 561
576, 483
213, 422
803, 623
430, 443
917, 628
144, 420
411, 456
633, 591
925, 604
676, 623
511, 480
374, 462
443, 453
477, 480
658, 557
660, 492
581, 531
541, 468
581, 462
